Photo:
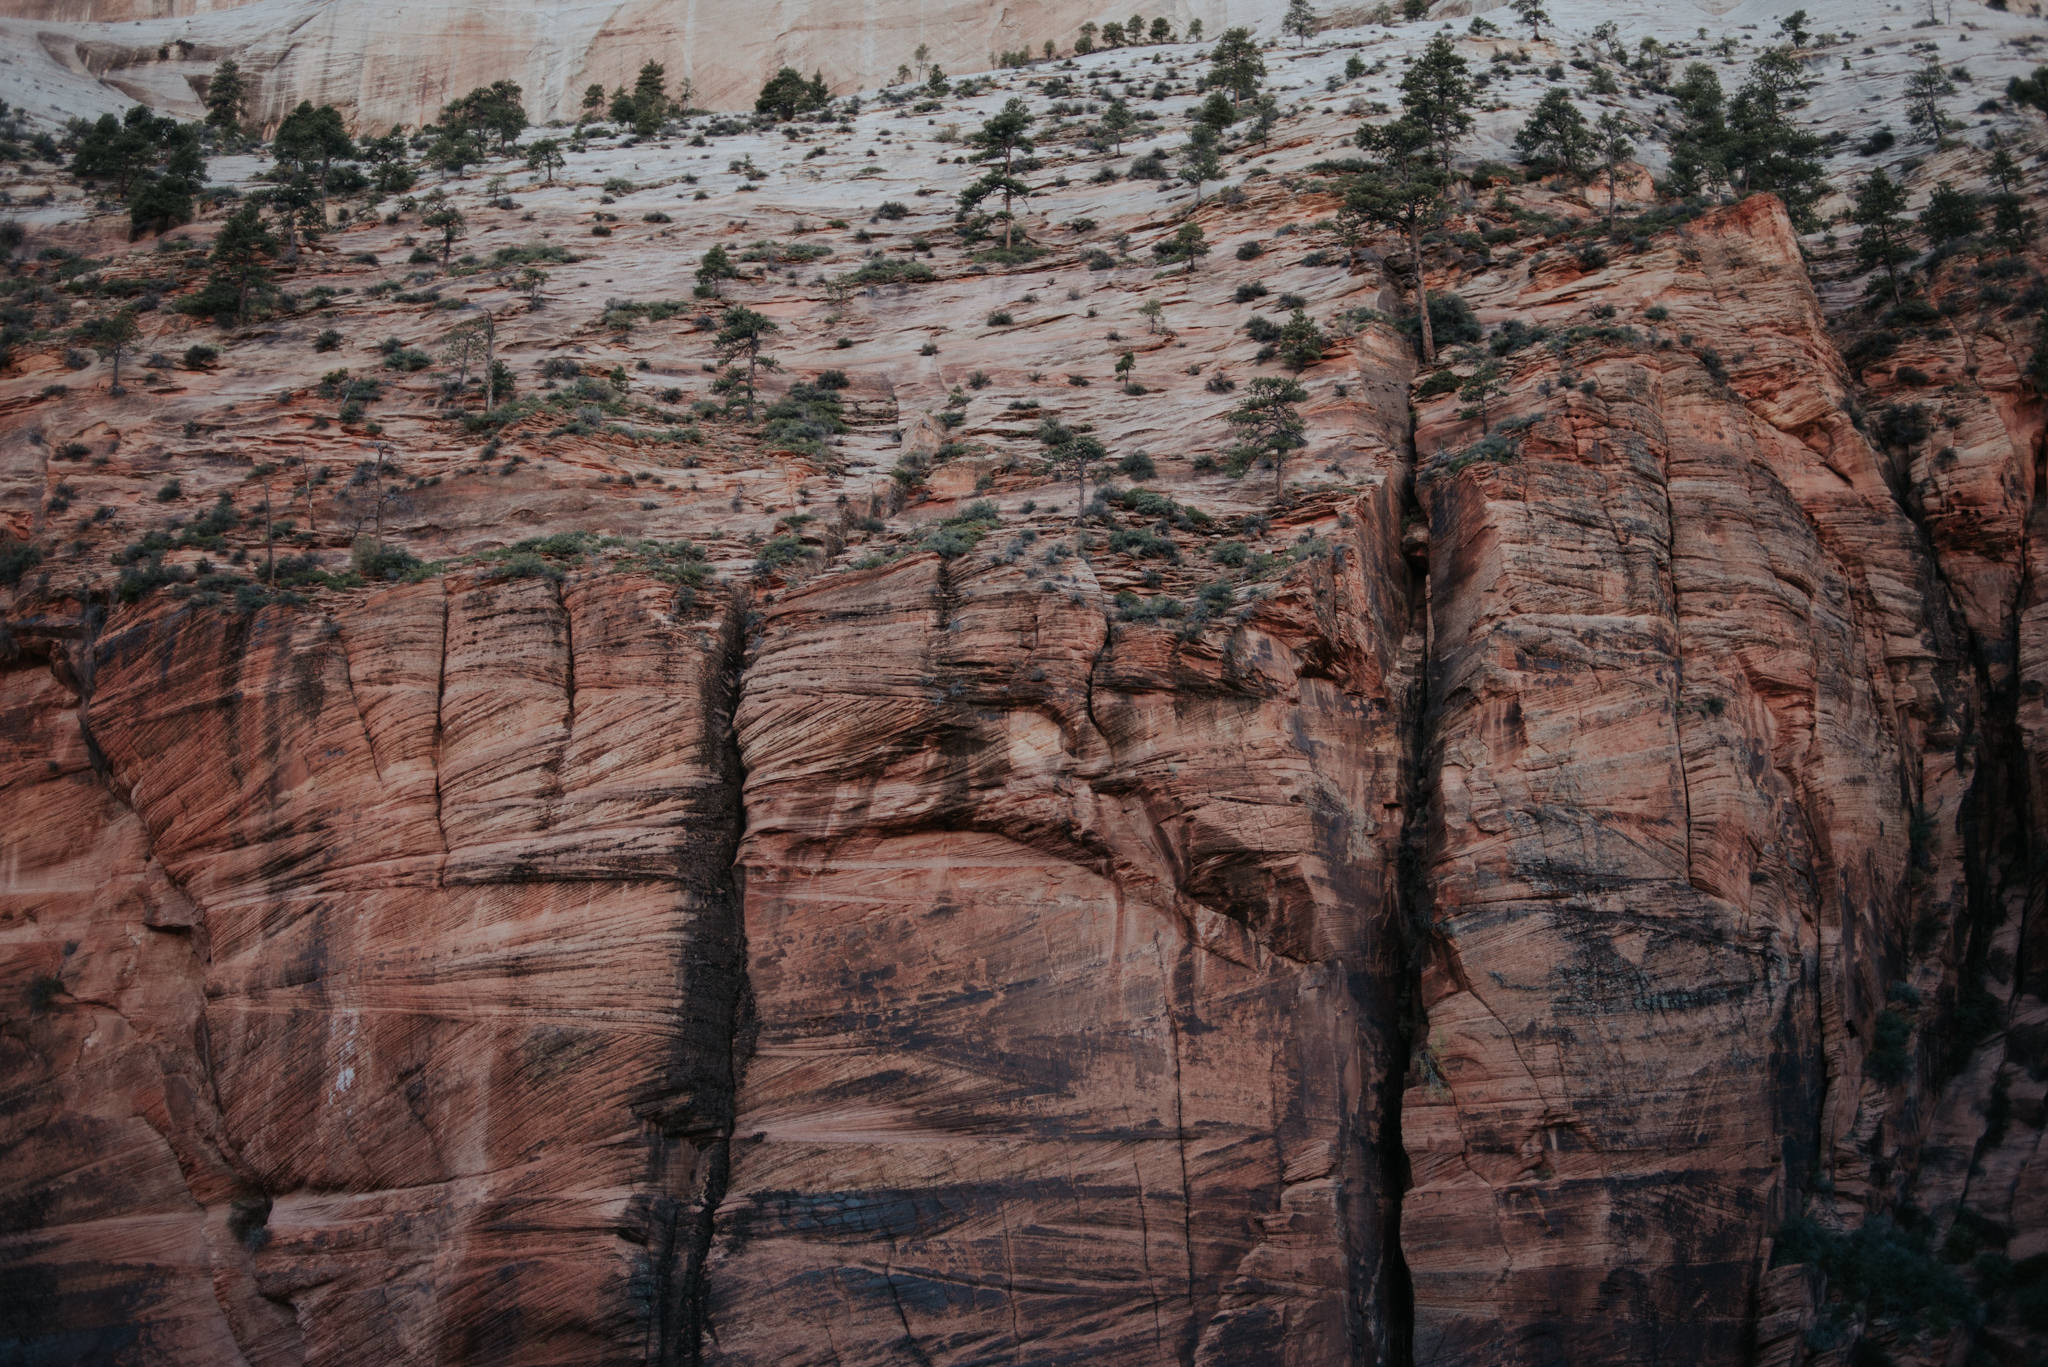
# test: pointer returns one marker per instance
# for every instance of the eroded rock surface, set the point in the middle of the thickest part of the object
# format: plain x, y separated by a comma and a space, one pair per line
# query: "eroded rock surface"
1452, 899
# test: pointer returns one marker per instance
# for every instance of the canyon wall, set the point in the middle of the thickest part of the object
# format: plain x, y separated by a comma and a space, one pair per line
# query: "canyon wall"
632, 879
1468, 951
383, 65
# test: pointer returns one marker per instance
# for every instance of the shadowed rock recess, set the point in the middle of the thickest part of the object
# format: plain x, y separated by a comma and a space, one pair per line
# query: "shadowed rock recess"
1575, 890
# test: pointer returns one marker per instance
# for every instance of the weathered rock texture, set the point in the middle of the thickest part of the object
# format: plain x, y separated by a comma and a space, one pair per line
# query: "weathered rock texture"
1455, 909
387, 65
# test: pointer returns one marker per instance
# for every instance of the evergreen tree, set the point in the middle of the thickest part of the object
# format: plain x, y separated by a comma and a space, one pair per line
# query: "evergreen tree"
120, 150
238, 275
1532, 13
1300, 21
787, 94
1556, 139
650, 99
1437, 95
1876, 210
306, 145
2026, 91
1198, 159
1479, 390
715, 267
1117, 121
227, 97
2011, 224
1699, 147
1113, 34
1764, 148
1187, 244
455, 151
110, 335
1404, 188
1950, 214
1085, 44
441, 214
741, 334
545, 156
1235, 65
494, 109
163, 199
1269, 424
1161, 30
1217, 112
1611, 142
1071, 448
1301, 341
1001, 137
1925, 90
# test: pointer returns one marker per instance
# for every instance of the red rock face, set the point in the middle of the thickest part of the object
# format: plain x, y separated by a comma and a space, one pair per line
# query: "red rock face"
1470, 946
1073, 952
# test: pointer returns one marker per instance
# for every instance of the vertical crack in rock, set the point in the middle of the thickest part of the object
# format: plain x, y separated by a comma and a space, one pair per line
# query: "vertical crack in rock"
440, 723
1413, 904
690, 1114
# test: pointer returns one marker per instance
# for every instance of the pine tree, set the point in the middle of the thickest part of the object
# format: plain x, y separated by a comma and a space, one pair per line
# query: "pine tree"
1479, 390
742, 332
1764, 149
1001, 137
1071, 448
715, 267
110, 335
492, 109
1532, 13
1269, 424
1699, 147
650, 99
1611, 141
1556, 138
1300, 21
1925, 90
1950, 214
1117, 120
227, 97
545, 156
1437, 95
1235, 65
1403, 187
441, 214
1877, 208
2011, 224
1198, 159
238, 274
1187, 244
1301, 342
306, 139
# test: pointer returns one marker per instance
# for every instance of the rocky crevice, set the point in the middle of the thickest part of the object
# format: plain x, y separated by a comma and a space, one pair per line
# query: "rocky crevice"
692, 1126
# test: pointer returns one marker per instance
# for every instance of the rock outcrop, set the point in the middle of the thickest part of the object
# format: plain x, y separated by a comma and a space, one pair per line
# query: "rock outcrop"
611, 881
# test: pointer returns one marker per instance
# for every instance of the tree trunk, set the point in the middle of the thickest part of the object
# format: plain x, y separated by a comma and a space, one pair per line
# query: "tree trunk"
490, 363
114, 386
1279, 471
1422, 296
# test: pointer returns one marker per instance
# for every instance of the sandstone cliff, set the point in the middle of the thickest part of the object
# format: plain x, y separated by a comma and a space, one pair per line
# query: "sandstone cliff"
737, 898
